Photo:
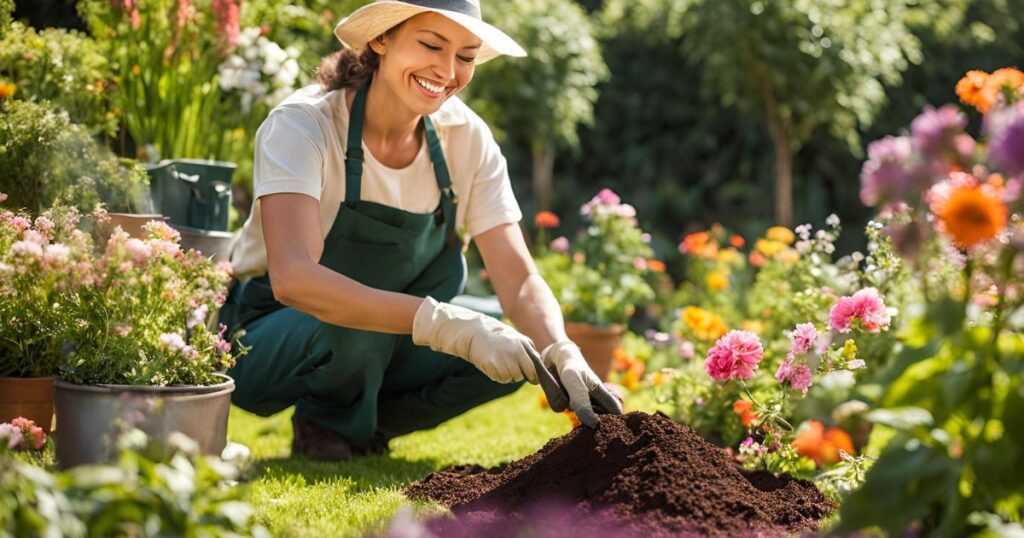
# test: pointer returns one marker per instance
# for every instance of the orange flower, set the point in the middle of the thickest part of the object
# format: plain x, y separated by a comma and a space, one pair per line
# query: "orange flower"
546, 219
572, 418
717, 280
542, 401
656, 266
7, 90
631, 380
661, 376
970, 89
971, 215
136, 70
1007, 79
620, 360
737, 241
745, 410
821, 445
757, 259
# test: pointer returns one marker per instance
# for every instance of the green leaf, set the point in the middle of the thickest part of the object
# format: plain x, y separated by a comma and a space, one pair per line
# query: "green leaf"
902, 418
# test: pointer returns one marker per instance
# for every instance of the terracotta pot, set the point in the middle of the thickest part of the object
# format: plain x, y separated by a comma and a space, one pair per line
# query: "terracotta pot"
29, 397
598, 344
131, 223
91, 417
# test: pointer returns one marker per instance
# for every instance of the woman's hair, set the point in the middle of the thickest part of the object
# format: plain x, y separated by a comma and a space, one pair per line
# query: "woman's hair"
348, 68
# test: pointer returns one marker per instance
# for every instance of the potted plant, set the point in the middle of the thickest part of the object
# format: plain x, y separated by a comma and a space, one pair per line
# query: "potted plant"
123, 188
40, 261
142, 352
601, 278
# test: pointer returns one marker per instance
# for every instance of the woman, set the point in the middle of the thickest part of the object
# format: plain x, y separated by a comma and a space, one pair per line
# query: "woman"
363, 185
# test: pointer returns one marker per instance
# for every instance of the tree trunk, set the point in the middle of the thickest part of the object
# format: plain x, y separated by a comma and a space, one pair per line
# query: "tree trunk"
783, 177
543, 160
779, 132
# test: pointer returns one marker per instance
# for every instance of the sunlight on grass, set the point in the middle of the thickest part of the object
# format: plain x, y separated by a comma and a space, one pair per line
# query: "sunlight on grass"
299, 497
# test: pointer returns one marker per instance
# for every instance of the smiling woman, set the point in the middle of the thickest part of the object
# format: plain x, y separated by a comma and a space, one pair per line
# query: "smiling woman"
367, 185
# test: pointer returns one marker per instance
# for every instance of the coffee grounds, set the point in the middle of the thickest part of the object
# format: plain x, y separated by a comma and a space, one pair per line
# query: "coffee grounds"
634, 475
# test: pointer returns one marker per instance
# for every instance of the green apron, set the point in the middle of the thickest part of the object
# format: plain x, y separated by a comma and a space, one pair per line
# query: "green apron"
365, 386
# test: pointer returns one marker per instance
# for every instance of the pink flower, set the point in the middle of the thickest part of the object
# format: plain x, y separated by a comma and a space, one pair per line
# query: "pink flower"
559, 244
56, 253
11, 434
3, 197
856, 364
686, 349
803, 338
228, 26
640, 263
27, 248
123, 330
734, 355
801, 378
138, 250
785, 370
45, 226
608, 197
865, 305
20, 224
172, 341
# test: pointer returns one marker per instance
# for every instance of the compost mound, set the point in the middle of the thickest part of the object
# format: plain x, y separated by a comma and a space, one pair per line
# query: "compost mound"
634, 475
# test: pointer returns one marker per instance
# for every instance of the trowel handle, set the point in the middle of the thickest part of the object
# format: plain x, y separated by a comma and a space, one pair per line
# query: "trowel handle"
558, 399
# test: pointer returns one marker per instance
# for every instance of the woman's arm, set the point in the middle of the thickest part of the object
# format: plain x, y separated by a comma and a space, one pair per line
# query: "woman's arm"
291, 230
525, 297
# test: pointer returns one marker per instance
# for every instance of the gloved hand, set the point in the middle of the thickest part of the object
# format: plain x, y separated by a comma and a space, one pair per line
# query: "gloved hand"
493, 347
580, 382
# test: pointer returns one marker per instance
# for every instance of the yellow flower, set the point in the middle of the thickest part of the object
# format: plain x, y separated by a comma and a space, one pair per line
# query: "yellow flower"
729, 256
781, 234
753, 326
789, 256
717, 280
769, 247
704, 324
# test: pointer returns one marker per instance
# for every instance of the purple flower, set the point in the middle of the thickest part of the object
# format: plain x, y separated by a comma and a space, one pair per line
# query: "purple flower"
935, 131
886, 175
801, 378
1006, 148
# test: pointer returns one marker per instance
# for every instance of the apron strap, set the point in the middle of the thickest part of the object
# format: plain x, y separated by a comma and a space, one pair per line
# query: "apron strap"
444, 182
354, 149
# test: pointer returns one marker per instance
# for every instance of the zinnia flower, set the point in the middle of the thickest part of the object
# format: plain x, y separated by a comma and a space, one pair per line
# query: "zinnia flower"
735, 355
546, 219
886, 176
745, 410
971, 215
934, 130
866, 305
656, 266
781, 234
717, 280
970, 90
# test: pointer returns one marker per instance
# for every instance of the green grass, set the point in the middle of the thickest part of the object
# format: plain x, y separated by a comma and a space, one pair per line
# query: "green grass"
299, 497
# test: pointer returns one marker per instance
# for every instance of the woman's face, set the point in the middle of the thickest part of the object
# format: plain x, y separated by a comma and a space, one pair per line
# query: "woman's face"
426, 60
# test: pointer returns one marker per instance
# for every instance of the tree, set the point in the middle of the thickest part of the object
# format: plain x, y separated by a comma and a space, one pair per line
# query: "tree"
541, 99
801, 64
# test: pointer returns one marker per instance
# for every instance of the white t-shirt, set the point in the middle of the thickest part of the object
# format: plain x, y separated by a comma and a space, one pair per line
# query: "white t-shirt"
300, 148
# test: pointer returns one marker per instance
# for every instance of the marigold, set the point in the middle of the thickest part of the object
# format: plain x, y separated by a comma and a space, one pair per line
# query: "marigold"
971, 215
717, 280
1007, 79
970, 90
656, 266
737, 241
745, 410
7, 90
704, 324
781, 234
546, 219
757, 259
821, 445
789, 256
769, 247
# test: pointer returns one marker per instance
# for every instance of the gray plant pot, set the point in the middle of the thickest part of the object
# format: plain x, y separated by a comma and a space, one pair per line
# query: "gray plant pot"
90, 418
212, 244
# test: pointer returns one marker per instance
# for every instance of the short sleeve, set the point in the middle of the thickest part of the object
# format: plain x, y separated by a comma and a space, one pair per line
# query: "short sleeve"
289, 154
492, 201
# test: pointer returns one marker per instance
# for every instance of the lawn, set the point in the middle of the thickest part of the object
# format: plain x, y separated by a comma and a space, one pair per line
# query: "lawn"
299, 497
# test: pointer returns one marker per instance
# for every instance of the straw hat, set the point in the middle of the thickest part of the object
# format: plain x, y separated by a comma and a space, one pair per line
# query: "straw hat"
372, 20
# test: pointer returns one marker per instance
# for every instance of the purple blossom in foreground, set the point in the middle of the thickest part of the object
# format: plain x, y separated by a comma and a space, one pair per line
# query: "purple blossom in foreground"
886, 176
1006, 149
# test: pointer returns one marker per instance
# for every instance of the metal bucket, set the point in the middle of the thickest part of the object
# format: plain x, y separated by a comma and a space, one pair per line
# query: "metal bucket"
90, 418
213, 244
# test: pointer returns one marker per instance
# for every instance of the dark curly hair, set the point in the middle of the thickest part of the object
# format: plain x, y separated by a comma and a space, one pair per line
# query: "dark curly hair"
348, 68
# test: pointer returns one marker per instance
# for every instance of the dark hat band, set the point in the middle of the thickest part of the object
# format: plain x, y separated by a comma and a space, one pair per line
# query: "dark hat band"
459, 6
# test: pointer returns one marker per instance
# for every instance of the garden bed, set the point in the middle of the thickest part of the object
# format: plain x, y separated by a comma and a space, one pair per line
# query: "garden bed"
636, 475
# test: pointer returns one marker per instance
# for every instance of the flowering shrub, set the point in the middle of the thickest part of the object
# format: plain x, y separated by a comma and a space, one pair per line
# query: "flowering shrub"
259, 70
22, 434
143, 316
43, 261
602, 278
948, 426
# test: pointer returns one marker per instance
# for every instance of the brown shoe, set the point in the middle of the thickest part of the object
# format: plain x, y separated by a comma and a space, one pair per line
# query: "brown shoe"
318, 443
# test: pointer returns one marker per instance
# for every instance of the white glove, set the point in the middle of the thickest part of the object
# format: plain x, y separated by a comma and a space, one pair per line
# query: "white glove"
493, 347
580, 382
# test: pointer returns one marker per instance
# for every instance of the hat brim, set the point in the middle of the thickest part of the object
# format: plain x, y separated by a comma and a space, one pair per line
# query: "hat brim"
372, 20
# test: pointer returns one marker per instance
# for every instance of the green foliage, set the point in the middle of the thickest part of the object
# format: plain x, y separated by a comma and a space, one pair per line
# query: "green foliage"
48, 159
150, 491
63, 67
6, 8
545, 96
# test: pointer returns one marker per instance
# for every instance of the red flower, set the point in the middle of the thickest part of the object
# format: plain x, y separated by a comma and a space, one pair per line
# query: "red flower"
547, 219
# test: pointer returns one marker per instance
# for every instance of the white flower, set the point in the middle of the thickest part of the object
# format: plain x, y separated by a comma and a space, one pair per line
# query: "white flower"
198, 316
27, 248
832, 220
11, 434
56, 253
172, 341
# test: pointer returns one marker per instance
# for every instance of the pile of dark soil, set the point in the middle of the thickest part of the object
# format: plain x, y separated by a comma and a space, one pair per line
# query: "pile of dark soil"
634, 475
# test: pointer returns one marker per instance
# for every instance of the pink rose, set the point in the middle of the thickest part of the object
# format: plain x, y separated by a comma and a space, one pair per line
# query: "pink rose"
559, 244
735, 355
865, 305
803, 337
